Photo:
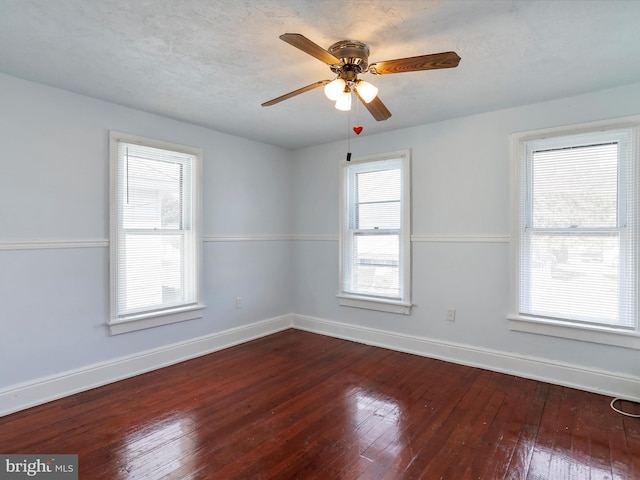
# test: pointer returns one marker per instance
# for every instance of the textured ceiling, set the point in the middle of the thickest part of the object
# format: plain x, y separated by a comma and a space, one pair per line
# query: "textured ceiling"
213, 62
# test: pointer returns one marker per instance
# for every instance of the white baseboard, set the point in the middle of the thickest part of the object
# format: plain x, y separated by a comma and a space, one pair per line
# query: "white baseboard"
29, 394
597, 381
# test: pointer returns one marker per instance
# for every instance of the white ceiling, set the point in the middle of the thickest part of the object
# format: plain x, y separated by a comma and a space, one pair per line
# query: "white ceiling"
213, 62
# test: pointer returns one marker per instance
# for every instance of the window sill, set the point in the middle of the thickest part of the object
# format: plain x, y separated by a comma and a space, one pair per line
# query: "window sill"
156, 319
388, 306
584, 333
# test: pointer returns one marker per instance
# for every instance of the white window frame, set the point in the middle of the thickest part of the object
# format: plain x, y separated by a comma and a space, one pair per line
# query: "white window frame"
177, 313
628, 130
347, 298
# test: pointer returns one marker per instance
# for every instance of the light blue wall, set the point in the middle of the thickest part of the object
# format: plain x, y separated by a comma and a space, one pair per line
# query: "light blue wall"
460, 188
54, 187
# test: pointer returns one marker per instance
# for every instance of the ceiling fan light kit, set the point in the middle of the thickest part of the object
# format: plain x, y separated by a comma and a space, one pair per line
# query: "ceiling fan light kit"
343, 102
334, 89
349, 58
337, 90
366, 91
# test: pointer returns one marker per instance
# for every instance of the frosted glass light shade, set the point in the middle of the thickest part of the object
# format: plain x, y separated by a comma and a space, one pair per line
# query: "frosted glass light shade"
344, 102
366, 91
333, 89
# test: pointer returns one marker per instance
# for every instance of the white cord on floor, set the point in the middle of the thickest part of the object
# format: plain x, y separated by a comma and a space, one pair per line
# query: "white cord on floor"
620, 411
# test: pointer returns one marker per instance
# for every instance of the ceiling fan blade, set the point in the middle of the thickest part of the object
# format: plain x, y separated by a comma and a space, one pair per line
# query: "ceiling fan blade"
376, 108
295, 92
307, 46
414, 64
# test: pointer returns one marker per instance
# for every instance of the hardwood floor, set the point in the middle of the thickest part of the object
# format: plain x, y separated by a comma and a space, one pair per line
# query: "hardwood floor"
305, 406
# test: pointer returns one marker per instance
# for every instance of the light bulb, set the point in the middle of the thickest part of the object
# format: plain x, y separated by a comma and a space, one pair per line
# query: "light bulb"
366, 91
344, 101
333, 89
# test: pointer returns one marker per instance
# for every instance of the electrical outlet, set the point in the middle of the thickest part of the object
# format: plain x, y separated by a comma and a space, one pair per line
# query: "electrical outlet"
451, 315
238, 303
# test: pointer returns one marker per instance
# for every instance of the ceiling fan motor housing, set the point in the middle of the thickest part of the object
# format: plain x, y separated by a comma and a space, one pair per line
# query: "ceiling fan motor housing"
353, 55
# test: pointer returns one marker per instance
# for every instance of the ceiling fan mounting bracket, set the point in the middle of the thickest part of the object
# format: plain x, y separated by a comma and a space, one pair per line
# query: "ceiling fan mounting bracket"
353, 55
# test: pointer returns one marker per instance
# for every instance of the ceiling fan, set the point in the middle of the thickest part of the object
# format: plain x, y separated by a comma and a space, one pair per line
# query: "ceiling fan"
349, 58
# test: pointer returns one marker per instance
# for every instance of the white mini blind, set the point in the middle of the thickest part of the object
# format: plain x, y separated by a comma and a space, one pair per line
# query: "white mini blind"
374, 234
156, 240
578, 248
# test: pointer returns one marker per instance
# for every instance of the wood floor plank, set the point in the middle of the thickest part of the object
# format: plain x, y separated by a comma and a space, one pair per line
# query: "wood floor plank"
600, 427
527, 435
633, 445
362, 403
296, 419
495, 448
454, 455
297, 405
414, 383
622, 461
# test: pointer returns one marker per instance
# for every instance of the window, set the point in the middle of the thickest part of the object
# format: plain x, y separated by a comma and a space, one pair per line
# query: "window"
577, 239
155, 233
375, 233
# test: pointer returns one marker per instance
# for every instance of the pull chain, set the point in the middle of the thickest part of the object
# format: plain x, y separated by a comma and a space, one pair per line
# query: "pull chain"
349, 136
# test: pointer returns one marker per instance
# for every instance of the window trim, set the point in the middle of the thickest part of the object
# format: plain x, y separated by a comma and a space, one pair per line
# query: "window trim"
167, 315
595, 333
399, 306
